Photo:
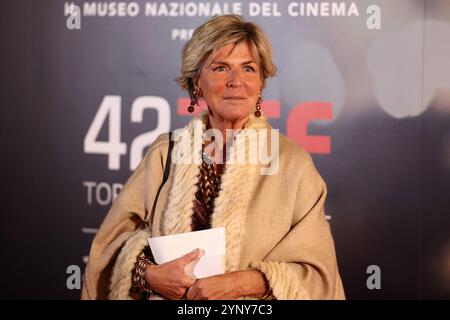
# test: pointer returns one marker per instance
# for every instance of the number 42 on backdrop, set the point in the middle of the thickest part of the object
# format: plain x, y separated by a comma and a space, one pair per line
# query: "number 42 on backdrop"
296, 126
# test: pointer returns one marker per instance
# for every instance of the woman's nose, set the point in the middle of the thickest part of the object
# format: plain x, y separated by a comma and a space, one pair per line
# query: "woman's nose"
234, 79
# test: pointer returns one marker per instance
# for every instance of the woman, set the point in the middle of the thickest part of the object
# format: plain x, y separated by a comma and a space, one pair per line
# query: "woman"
278, 243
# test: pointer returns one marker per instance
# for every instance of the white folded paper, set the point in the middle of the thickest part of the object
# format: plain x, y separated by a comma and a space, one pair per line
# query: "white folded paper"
211, 242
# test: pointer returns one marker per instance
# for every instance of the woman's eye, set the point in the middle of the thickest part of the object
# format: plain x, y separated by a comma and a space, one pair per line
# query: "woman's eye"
220, 69
249, 69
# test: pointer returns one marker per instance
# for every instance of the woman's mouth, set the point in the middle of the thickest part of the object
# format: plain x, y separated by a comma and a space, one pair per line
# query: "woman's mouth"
233, 98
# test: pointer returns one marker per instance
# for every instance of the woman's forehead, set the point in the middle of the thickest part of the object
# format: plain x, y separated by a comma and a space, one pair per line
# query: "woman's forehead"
241, 50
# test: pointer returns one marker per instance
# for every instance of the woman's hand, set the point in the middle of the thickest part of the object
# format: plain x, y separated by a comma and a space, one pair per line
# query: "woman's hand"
227, 286
170, 279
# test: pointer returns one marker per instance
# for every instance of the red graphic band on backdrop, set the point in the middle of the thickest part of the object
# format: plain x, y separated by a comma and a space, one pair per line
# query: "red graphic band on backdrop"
297, 125
297, 122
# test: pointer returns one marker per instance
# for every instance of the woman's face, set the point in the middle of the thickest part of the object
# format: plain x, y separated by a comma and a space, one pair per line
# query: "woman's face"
230, 82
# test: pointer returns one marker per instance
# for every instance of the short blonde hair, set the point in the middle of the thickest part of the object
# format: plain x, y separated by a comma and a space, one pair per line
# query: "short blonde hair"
216, 33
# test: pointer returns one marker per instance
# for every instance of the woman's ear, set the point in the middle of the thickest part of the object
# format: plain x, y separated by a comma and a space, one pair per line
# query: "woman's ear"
195, 81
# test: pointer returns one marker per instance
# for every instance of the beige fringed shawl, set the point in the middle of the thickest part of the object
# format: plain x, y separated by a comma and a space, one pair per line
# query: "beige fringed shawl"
274, 223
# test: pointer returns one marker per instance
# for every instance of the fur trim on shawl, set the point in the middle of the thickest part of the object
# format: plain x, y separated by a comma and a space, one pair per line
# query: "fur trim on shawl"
121, 278
279, 275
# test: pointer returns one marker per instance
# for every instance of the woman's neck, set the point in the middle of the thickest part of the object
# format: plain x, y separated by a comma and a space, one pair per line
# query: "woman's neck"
214, 122
222, 126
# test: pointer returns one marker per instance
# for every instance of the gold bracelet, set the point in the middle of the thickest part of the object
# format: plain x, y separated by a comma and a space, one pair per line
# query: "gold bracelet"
268, 294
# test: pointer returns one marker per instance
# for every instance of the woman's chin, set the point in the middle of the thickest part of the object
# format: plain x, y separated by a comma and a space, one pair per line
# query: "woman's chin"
234, 115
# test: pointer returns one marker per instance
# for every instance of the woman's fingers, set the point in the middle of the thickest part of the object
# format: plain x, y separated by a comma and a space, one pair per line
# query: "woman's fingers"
188, 258
170, 279
191, 293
